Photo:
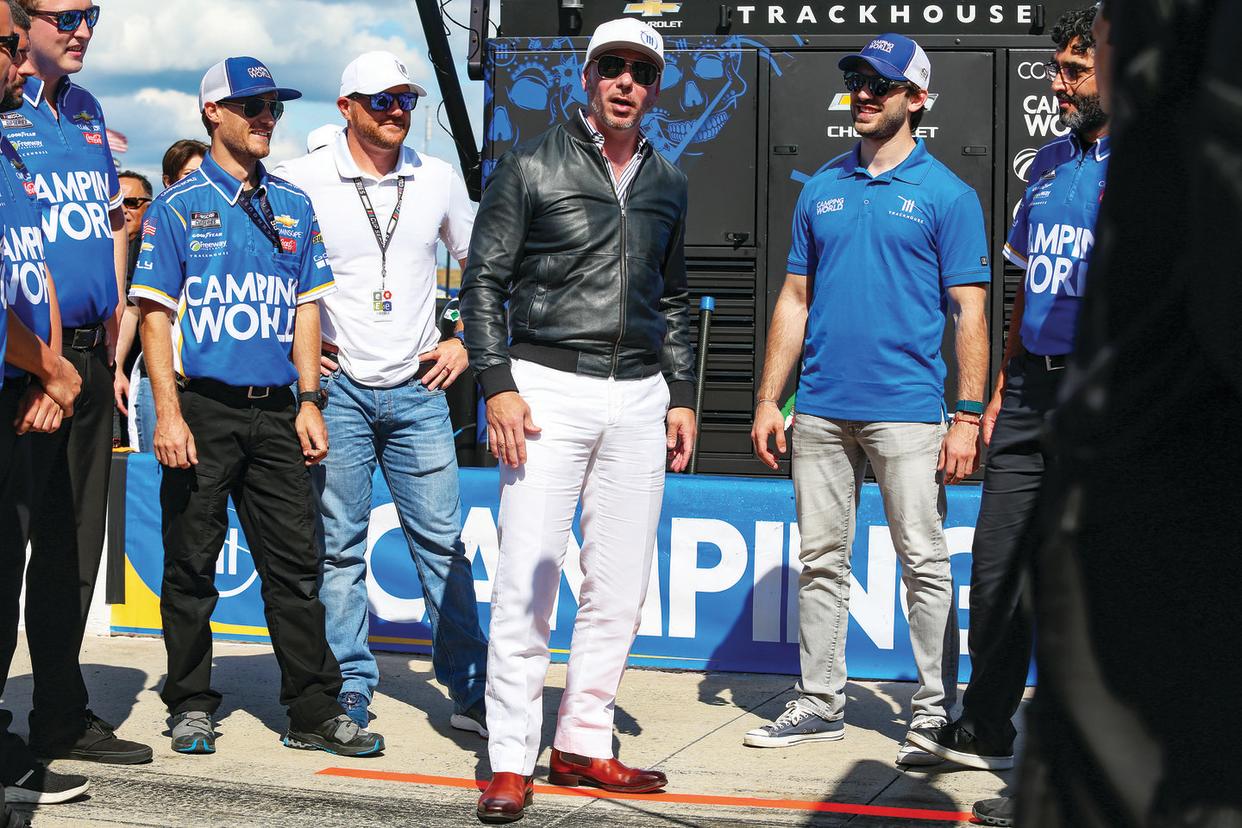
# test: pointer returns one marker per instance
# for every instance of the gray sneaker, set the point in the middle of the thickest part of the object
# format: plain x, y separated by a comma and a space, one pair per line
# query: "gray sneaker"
193, 732
339, 735
799, 723
911, 755
473, 720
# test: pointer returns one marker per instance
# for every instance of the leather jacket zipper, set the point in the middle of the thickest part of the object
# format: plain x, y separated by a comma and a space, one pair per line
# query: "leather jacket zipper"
616, 349
608, 179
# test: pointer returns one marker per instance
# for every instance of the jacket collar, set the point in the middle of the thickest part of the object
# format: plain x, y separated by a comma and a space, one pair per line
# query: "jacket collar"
33, 91
1100, 149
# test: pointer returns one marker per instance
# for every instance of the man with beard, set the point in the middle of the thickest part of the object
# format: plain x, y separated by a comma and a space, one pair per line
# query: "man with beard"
884, 237
588, 386
385, 370
235, 254
39, 387
62, 131
1051, 239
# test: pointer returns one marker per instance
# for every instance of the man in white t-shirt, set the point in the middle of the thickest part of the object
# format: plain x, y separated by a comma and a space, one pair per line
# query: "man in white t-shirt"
383, 208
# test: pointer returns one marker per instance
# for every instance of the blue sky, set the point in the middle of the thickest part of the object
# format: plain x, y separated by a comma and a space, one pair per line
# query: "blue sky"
147, 57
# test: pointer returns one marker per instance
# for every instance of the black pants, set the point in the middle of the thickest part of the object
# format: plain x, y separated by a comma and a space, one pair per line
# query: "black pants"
248, 449
66, 538
1000, 637
16, 489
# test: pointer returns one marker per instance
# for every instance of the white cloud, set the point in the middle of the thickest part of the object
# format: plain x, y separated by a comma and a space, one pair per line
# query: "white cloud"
147, 58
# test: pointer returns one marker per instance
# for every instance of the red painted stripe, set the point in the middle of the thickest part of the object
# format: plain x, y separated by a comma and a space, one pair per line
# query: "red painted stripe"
686, 799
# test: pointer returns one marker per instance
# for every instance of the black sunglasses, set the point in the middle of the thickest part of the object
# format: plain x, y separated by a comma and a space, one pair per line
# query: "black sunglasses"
70, 19
134, 202
643, 72
253, 107
876, 85
382, 101
9, 44
1069, 73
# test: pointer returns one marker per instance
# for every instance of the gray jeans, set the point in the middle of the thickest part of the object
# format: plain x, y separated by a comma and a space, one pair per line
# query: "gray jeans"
829, 458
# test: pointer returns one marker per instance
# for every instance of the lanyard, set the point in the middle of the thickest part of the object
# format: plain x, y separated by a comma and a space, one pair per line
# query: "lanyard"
260, 213
380, 238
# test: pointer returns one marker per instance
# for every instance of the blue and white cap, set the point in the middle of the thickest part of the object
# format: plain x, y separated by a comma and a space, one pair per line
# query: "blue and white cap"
240, 77
895, 57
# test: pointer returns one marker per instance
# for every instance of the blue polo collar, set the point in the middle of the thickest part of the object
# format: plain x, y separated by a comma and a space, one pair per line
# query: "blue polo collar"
913, 169
227, 185
33, 91
1100, 149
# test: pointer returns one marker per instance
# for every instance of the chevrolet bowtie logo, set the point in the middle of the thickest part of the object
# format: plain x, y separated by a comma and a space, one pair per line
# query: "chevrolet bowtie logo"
84, 117
652, 8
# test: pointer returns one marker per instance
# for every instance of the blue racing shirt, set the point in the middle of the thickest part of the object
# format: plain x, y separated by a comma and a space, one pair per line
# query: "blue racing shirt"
234, 266
1051, 239
881, 252
75, 180
25, 270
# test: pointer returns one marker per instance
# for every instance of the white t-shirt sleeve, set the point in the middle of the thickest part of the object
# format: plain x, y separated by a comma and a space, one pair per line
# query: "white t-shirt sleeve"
458, 221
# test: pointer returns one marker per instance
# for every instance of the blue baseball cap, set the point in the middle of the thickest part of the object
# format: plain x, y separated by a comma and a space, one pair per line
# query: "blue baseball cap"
895, 57
240, 77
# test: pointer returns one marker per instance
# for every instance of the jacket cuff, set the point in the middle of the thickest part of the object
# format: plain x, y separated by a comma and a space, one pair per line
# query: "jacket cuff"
497, 380
681, 394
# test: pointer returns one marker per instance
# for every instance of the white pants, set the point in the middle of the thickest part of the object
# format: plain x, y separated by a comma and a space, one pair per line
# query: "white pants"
602, 440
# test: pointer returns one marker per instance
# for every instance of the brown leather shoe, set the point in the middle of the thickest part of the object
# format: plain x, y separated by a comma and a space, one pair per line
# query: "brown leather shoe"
506, 798
571, 770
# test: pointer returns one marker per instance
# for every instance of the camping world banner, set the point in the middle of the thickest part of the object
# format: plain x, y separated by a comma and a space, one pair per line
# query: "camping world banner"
723, 595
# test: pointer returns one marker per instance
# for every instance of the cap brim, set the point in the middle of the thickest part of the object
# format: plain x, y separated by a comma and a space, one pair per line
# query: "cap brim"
632, 46
882, 67
414, 87
283, 93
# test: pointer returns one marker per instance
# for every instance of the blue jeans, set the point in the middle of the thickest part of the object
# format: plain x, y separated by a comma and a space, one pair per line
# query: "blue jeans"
406, 430
142, 415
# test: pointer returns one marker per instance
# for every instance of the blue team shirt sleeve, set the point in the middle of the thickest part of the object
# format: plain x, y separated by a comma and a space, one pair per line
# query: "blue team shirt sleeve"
315, 279
160, 270
962, 243
801, 248
1017, 245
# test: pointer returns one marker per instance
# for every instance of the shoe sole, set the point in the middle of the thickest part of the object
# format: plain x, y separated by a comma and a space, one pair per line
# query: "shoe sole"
460, 722
500, 819
197, 747
970, 760
919, 759
311, 743
754, 740
27, 796
1002, 822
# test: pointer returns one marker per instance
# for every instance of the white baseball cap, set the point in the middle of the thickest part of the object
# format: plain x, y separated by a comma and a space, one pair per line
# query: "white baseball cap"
373, 72
627, 33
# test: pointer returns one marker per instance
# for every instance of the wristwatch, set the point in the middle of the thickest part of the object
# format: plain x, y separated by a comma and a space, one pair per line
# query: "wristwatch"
319, 397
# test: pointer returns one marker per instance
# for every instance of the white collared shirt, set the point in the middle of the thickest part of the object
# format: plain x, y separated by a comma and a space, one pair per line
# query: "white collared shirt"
382, 349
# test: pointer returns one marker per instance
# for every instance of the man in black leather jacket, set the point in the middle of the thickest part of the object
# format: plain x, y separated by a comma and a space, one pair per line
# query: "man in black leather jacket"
588, 383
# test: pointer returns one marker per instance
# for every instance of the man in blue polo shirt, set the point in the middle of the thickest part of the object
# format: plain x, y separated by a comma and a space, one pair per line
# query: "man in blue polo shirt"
60, 132
39, 389
884, 238
1051, 239
236, 255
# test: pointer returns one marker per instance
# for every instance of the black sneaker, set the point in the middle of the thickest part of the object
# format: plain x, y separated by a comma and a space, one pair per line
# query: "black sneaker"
957, 744
44, 787
98, 743
994, 811
340, 735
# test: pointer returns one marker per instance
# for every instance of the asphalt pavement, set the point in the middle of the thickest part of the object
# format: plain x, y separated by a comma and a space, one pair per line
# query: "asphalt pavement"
688, 725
